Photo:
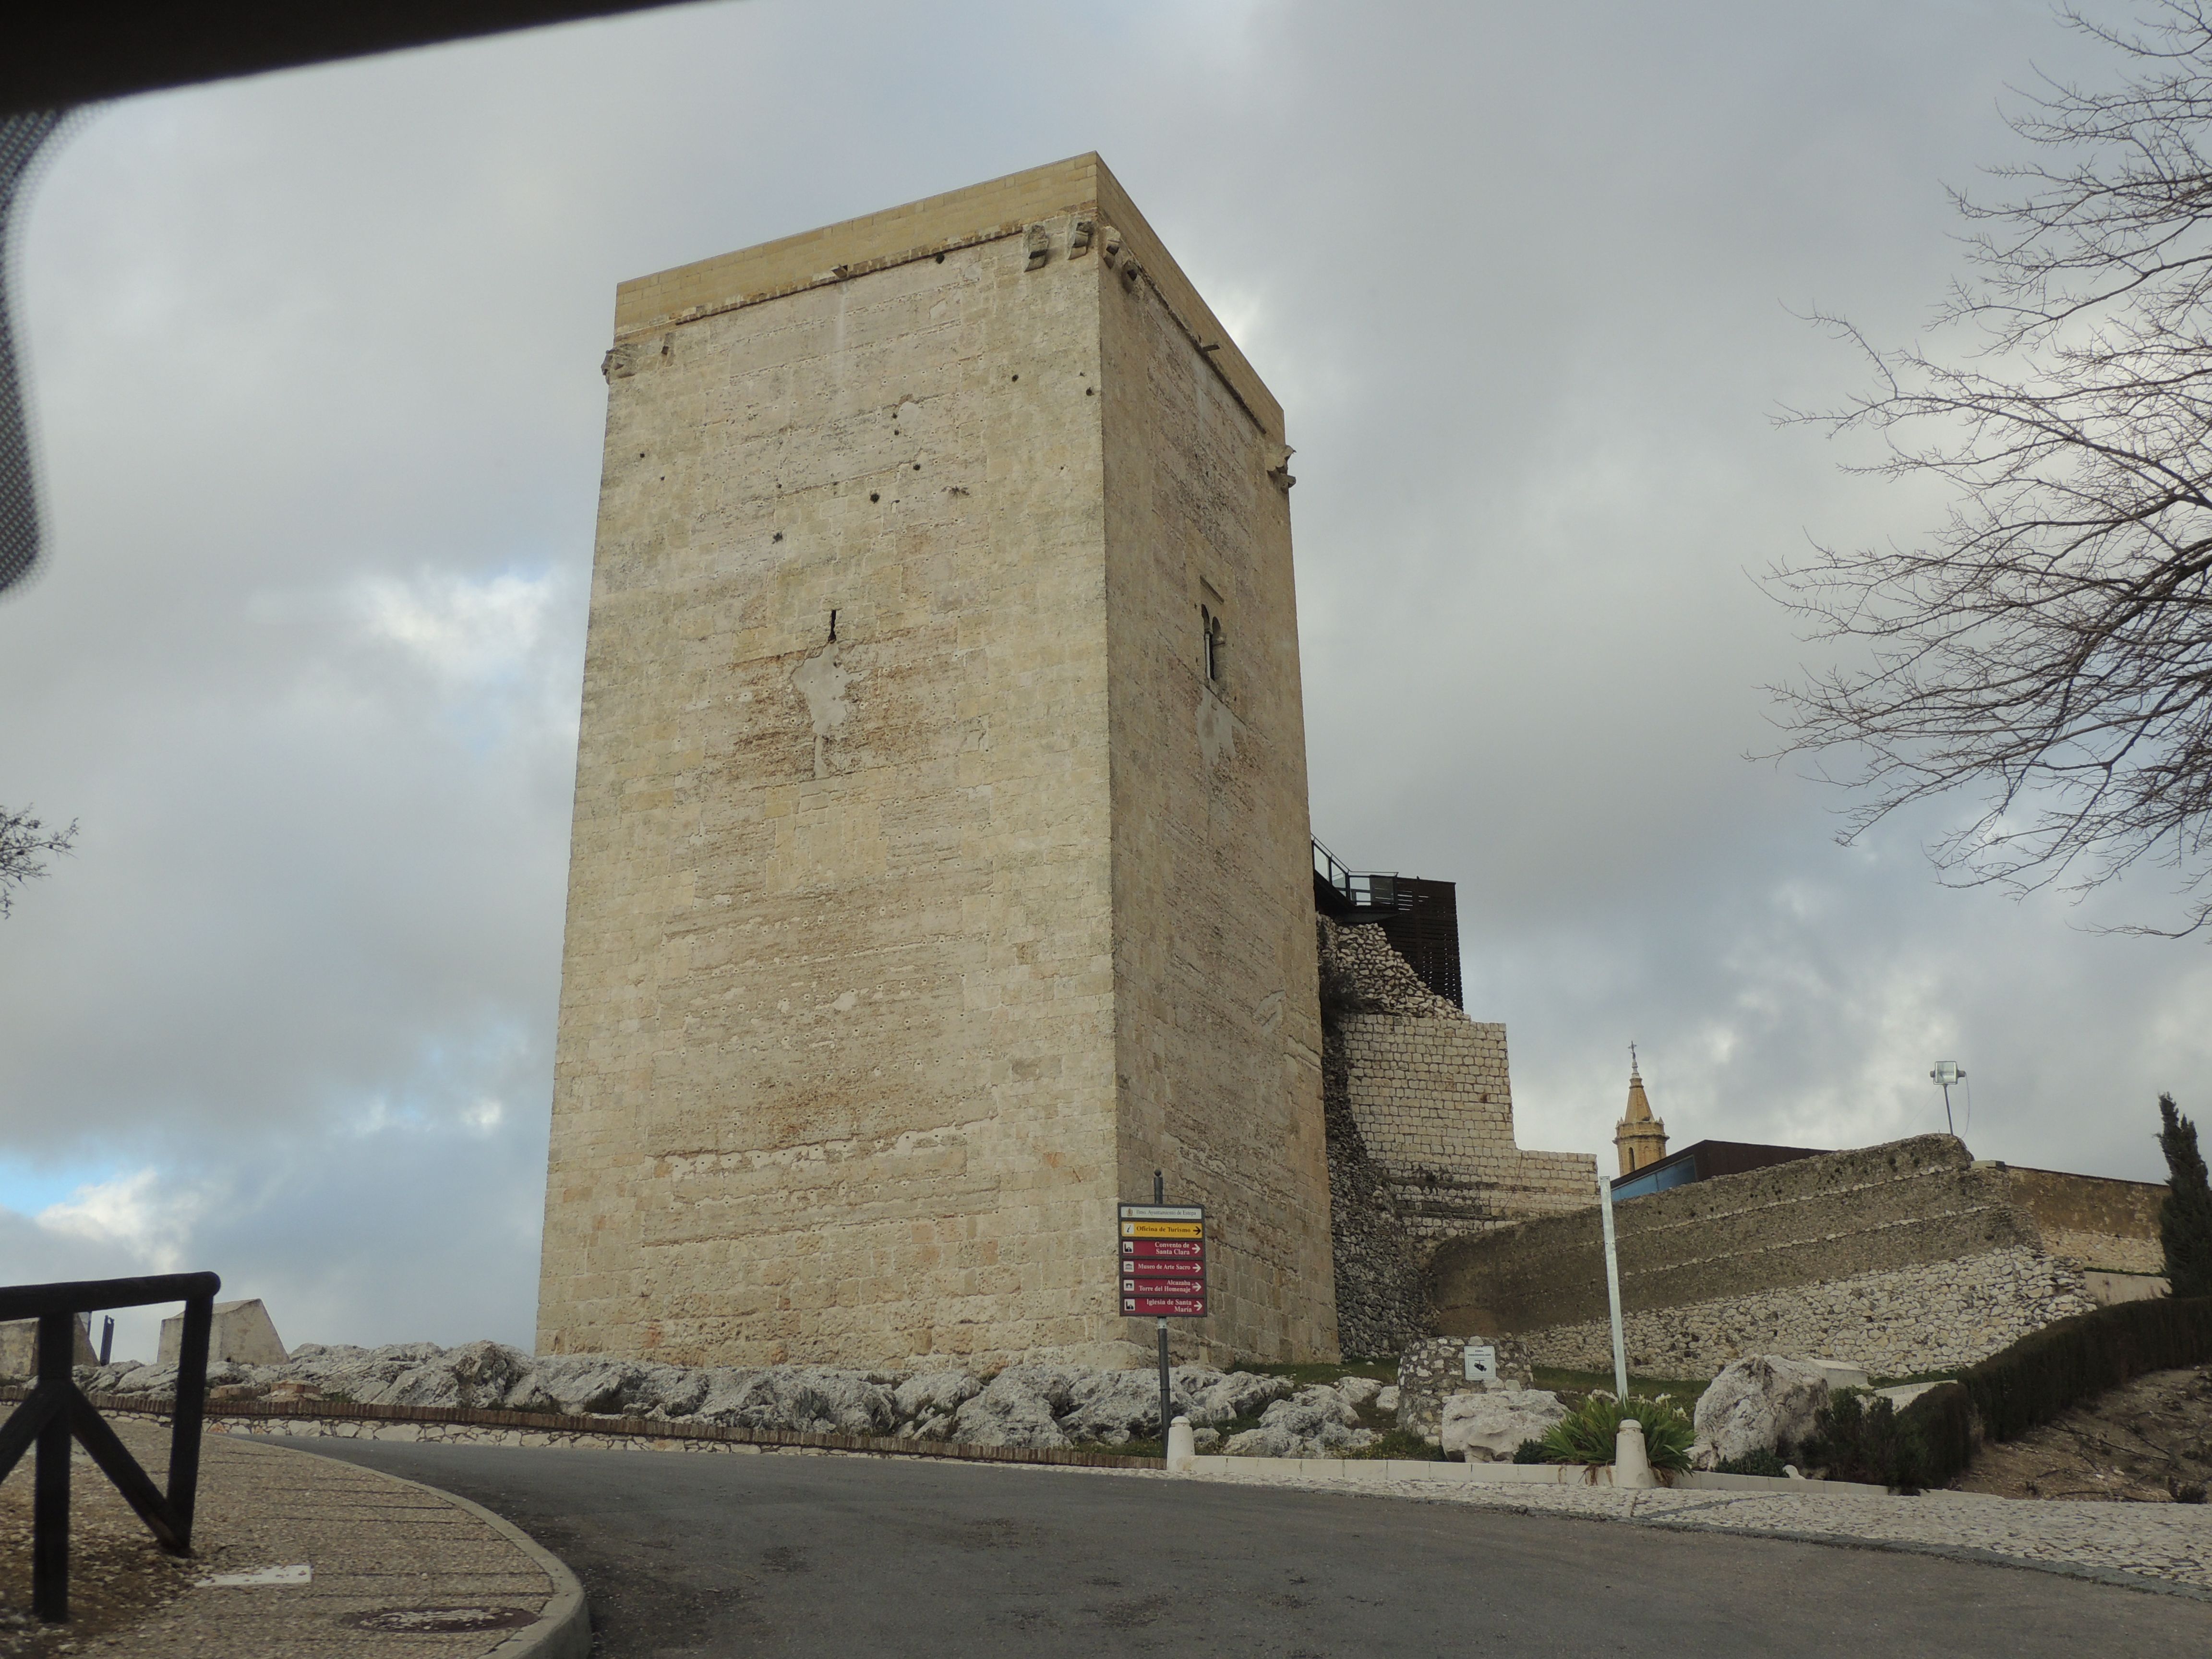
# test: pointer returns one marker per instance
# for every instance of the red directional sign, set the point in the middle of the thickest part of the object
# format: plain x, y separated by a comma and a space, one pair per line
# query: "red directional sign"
1162, 1265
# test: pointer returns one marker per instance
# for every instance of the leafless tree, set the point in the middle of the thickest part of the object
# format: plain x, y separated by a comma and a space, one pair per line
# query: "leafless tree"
24, 843
2048, 652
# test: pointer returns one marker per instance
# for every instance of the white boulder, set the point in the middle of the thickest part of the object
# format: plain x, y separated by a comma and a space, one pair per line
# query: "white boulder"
1019, 1407
1216, 1397
1488, 1425
1315, 1422
1763, 1403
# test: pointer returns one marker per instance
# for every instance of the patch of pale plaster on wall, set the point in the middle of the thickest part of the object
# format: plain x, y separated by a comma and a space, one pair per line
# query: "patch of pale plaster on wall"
823, 683
1216, 729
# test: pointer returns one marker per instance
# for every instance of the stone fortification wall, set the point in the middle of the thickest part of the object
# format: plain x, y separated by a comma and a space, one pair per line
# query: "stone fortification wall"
1429, 1091
2093, 1222
1902, 1257
1217, 1026
1932, 1318
1382, 1304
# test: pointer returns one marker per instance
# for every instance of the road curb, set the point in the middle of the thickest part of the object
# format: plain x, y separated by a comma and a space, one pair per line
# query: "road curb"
564, 1630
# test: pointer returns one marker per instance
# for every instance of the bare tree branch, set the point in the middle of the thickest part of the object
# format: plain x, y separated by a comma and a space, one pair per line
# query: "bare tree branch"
24, 842
2049, 650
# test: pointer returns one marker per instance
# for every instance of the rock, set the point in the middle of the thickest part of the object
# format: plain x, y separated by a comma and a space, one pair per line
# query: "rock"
411, 1353
1763, 1403
484, 1372
1488, 1425
1204, 1440
1386, 1401
582, 1385
935, 1394
673, 1390
804, 1400
1017, 1407
1358, 1390
418, 1385
1316, 1422
1238, 1393
1113, 1407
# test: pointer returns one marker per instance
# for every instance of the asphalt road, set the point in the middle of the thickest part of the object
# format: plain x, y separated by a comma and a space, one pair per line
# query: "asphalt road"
691, 1554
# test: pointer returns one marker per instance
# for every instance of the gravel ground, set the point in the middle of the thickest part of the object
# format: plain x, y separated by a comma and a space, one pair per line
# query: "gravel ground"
2142, 1441
2151, 1545
118, 1574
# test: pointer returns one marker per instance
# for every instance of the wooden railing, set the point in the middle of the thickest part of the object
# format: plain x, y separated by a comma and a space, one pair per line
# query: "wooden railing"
56, 1412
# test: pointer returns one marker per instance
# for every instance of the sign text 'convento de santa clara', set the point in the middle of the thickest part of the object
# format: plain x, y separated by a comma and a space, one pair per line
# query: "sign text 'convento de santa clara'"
1162, 1261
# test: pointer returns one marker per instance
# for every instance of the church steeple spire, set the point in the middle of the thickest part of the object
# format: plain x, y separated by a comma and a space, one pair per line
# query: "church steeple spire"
1640, 1138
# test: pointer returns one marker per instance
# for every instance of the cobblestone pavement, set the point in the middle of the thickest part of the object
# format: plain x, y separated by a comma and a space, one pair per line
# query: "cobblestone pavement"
2166, 1544
370, 1545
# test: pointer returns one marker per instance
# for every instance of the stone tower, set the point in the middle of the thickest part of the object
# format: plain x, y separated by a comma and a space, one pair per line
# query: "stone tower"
940, 865
1640, 1137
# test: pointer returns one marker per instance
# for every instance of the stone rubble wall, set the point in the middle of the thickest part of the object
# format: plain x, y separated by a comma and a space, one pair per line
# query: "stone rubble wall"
1936, 1317
1433, 1370
1429, 1092
1875, 1210
1901, 1258
1381, 1305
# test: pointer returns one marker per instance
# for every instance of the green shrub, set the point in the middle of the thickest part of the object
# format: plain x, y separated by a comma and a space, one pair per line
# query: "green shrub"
1760, 1461
2078, 1358
2184, 1219
1530, 1451
1939, 1435
1856, 1437
1588, 1434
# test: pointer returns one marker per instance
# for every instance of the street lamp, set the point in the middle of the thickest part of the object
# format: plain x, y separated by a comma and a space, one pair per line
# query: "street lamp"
1946, 1073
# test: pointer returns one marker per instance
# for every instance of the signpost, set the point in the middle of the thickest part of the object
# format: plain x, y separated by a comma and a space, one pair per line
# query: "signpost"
1163, 1270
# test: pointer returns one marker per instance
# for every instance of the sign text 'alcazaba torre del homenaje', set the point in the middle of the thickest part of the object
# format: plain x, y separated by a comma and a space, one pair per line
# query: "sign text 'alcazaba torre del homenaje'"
941, 864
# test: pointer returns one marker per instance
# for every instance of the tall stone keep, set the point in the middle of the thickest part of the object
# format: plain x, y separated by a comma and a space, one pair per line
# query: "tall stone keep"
941, 863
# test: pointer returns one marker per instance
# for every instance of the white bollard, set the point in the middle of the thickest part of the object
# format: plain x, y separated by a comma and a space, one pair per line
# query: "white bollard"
1182, 1452
1631, 1464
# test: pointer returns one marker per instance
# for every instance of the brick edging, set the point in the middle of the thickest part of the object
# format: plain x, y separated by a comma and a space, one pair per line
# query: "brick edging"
651, 1428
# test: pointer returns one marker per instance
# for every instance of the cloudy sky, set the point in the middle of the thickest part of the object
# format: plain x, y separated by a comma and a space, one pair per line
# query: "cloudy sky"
315, 360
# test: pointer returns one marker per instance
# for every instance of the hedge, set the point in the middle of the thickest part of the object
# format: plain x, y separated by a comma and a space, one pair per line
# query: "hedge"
2046, 1372
2078, 1358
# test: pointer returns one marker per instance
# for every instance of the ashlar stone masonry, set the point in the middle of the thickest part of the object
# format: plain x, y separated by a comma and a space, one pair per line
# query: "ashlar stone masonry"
940, 863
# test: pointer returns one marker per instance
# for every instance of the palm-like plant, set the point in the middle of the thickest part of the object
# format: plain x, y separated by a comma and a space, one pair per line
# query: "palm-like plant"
1588, 1434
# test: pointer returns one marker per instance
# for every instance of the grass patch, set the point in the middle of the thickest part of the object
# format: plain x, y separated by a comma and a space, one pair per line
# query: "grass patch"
1398, 1443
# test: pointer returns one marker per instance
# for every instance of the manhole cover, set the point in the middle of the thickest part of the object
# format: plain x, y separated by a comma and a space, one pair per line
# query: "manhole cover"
443, 1620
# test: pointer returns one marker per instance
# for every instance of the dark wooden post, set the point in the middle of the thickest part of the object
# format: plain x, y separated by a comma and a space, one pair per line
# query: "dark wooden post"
50, 1487
192, 1403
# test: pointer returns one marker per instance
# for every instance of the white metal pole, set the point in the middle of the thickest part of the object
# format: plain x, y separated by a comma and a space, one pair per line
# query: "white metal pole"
1613, 1288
